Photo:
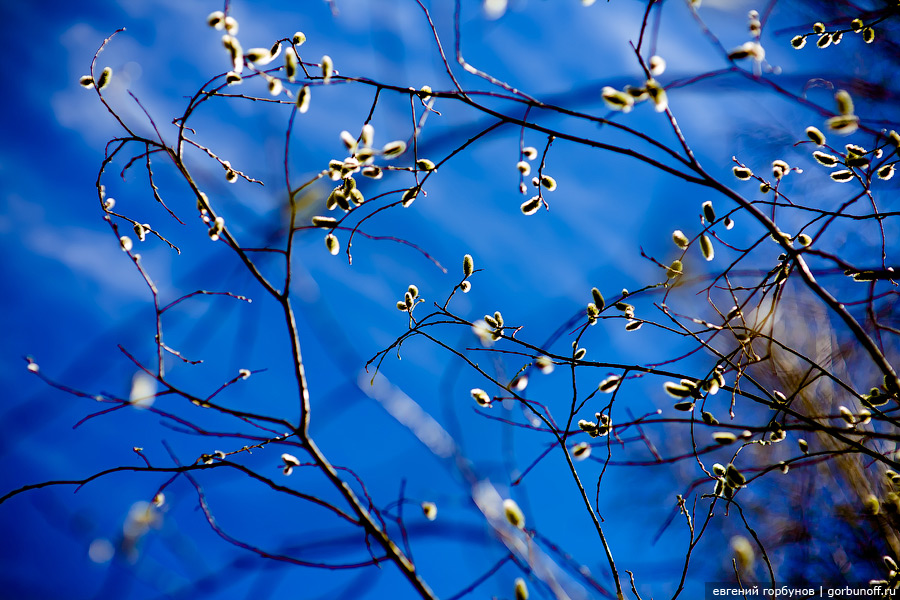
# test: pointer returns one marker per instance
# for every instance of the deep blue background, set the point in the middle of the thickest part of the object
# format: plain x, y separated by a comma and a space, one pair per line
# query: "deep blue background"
70, 296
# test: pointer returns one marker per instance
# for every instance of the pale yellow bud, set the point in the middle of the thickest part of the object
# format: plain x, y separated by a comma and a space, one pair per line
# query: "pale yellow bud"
332, 244
513, 513
303, 99
104, 79
617, 100
392, 149
521, 589
327, 68
529, 207
216, 19
481, 397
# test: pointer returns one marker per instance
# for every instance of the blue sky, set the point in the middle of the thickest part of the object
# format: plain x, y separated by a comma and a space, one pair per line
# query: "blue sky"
72, 296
